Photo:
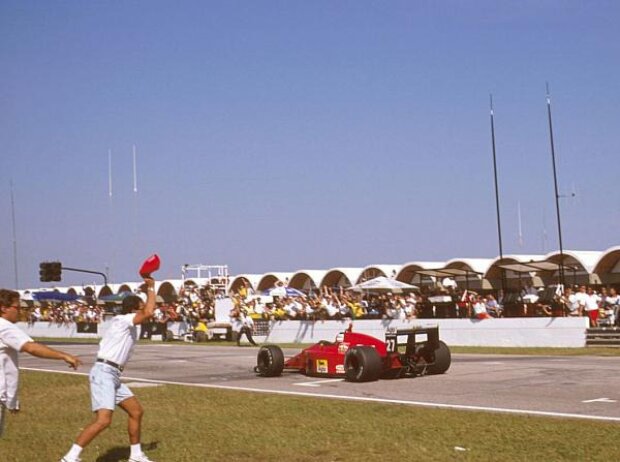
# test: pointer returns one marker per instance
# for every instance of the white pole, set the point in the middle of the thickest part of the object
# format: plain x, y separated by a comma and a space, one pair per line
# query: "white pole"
135, 171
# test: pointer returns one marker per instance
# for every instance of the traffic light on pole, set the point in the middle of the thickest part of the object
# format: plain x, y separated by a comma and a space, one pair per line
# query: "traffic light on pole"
50, 271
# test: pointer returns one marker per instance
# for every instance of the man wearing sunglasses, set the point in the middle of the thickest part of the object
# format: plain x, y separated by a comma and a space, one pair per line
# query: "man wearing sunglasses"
12, 341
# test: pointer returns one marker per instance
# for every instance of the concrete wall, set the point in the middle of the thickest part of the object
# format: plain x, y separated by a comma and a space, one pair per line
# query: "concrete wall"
509, 332
53, 330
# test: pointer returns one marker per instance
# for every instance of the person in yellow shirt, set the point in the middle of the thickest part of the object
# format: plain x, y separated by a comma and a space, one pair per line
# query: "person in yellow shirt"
357, 310
243, 290
201, 331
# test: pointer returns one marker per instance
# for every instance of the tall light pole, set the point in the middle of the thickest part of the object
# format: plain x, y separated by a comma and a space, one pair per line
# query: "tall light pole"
499, 224
557, 195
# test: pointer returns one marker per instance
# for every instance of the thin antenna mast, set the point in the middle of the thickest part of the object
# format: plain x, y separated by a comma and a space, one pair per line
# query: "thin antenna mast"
110, 173
555, 182
14, 237
499, 225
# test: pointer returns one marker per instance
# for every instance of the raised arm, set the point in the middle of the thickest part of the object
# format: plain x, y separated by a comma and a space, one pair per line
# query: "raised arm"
146, 313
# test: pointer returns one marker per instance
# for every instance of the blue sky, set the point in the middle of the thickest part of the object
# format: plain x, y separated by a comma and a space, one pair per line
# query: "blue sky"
286, 135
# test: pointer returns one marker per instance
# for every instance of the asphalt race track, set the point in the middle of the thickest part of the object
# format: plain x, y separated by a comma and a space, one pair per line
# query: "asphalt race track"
585, 387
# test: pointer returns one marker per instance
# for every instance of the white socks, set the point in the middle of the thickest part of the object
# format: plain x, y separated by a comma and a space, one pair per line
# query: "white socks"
136, 450
74, 452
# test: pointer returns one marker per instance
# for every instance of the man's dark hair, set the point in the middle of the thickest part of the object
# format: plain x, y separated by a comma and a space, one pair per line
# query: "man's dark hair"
131, 303
8, 297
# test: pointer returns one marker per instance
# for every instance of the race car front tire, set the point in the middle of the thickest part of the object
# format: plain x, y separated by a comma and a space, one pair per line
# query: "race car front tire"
269, 361
443, 359
362, 364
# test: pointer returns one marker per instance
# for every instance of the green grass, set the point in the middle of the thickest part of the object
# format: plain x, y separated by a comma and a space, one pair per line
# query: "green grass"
190, 424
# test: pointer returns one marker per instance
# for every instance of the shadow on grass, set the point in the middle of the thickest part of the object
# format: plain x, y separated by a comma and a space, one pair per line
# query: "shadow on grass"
122, 453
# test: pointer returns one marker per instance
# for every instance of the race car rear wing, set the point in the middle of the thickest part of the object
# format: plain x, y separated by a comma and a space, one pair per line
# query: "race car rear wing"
414, 338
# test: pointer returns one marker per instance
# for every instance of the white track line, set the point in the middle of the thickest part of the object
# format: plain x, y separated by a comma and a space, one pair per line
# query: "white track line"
317, 383
359, 398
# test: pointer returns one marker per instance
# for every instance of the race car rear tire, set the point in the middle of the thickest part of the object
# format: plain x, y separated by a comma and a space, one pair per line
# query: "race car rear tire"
362, 364
269, 361
443, 359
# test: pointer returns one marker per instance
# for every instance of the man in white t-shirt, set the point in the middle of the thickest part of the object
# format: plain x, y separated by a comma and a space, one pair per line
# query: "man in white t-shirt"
12, 341
106, 389
581, 297
242, 323
571, 302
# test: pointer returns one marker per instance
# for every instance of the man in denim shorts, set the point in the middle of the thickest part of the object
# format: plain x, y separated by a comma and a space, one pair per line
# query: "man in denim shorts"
106, 389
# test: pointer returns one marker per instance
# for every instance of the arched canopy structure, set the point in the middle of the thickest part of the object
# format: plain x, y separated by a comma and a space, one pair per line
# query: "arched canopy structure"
578, 266
581, 267
251, 281
341, 277
374, 271
168, 292
474, 265
468, 272
103, 291
608, 266
307, 280
515, 271
90, 291
409, 272
269, 280
84, 291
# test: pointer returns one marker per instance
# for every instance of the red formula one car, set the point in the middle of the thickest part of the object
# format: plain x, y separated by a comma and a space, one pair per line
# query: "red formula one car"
361, 358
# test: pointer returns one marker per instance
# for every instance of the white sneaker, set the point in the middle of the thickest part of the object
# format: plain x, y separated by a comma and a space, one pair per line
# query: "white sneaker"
64, 459
140, 458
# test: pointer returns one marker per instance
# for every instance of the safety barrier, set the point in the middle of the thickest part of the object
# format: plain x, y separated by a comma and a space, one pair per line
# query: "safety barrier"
502, 332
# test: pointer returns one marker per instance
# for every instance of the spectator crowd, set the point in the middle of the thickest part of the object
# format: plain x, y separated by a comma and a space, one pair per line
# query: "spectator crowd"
64, 313
601, 307
196, 305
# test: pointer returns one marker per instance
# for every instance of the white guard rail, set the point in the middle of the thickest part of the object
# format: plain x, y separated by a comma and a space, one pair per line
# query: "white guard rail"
503, 332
